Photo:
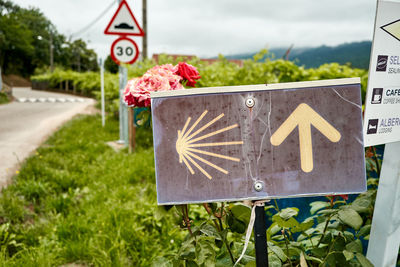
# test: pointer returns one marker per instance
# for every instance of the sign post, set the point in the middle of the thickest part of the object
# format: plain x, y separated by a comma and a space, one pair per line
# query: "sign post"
382, 126
123, 51
260, 237
123, 109
103, 119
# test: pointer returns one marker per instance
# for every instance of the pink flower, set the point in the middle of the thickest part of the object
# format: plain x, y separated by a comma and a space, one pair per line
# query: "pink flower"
188, 73
167, 71
159, 78
137, 90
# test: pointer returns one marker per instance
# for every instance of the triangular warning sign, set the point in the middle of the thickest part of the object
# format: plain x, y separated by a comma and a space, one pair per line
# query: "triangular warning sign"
123, 22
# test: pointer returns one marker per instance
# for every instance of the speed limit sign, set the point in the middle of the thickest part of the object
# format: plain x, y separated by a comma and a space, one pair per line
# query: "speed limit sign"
124, 50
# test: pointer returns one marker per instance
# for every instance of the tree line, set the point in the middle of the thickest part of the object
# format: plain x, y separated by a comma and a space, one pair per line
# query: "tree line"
29, 42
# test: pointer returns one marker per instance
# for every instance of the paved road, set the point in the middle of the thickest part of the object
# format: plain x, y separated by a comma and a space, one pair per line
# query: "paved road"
28, 121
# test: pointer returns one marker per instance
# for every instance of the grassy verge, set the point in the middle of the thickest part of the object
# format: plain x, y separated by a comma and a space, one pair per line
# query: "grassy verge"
3, 98
78, 201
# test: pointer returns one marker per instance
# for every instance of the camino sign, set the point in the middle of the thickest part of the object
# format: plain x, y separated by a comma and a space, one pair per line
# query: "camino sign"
258, 141
382, 103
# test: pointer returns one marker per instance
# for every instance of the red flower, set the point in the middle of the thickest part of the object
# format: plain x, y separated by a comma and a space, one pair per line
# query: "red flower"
188, 73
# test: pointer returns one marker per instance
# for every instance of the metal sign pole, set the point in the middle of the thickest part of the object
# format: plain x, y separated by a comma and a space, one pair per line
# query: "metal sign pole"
384, 239
103, 119
260, 237
123, 110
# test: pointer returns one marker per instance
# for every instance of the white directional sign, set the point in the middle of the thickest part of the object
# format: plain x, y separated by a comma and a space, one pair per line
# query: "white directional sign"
382, 104
124, 50
124, 22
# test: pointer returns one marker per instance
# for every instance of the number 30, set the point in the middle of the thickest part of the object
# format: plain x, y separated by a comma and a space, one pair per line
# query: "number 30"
128, 51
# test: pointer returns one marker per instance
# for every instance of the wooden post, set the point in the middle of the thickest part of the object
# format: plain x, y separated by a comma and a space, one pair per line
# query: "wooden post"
131, 131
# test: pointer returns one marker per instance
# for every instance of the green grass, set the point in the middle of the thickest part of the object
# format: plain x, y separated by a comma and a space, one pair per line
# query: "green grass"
78, 201
3, 98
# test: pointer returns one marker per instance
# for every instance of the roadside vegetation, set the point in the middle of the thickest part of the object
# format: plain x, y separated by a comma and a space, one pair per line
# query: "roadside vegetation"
3, 98
78, 201
221, 73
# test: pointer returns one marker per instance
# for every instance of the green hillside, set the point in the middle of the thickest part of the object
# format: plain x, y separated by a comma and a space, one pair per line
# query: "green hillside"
357, 54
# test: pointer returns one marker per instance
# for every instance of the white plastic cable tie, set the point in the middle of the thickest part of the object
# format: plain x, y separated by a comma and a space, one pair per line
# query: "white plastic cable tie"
258, 203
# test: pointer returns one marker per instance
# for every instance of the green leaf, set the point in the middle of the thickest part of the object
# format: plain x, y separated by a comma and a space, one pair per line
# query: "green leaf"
311, 258
291, 223
319, 252
273, 229
210, 230
162, 262
159, 213
187, 250
335, 259
288, 213
241, 212
361, 204
339, 243
205, 253
307, 224
351, 218
327, 211
355, 246
317, 205
363, 260
236, 225
365, 230
274, 261
349, 236
278, 251
190, 263
348, 255
251, 264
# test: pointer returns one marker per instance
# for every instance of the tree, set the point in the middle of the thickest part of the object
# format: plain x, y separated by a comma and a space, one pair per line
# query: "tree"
110, 65
28, 40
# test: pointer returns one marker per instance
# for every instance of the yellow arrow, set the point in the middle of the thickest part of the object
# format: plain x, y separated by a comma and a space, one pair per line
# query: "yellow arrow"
303, 117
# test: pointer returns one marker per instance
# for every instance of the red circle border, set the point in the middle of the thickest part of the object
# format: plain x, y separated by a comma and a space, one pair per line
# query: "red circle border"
134, 44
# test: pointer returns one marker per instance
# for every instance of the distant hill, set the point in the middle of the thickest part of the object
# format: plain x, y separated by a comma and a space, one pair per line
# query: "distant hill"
357, 54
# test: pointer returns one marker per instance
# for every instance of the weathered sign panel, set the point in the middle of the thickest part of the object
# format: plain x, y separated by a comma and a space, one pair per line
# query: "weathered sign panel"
382, 103
258, 141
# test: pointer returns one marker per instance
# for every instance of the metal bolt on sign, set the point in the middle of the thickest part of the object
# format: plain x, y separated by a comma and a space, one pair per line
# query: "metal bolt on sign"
258, 186
250, 102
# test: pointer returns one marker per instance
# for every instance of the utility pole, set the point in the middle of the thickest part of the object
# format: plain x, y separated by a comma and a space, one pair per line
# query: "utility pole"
51, 52
144, 48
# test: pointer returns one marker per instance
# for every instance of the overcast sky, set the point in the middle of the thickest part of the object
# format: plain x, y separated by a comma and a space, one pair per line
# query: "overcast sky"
210, 27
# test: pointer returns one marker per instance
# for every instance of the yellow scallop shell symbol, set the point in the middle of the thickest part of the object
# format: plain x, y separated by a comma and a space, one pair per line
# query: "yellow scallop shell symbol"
186, 145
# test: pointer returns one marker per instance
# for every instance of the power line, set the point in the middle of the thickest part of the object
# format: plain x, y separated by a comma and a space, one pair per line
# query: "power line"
87, 27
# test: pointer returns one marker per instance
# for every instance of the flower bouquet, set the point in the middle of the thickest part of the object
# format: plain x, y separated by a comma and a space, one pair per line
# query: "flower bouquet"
159, 78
